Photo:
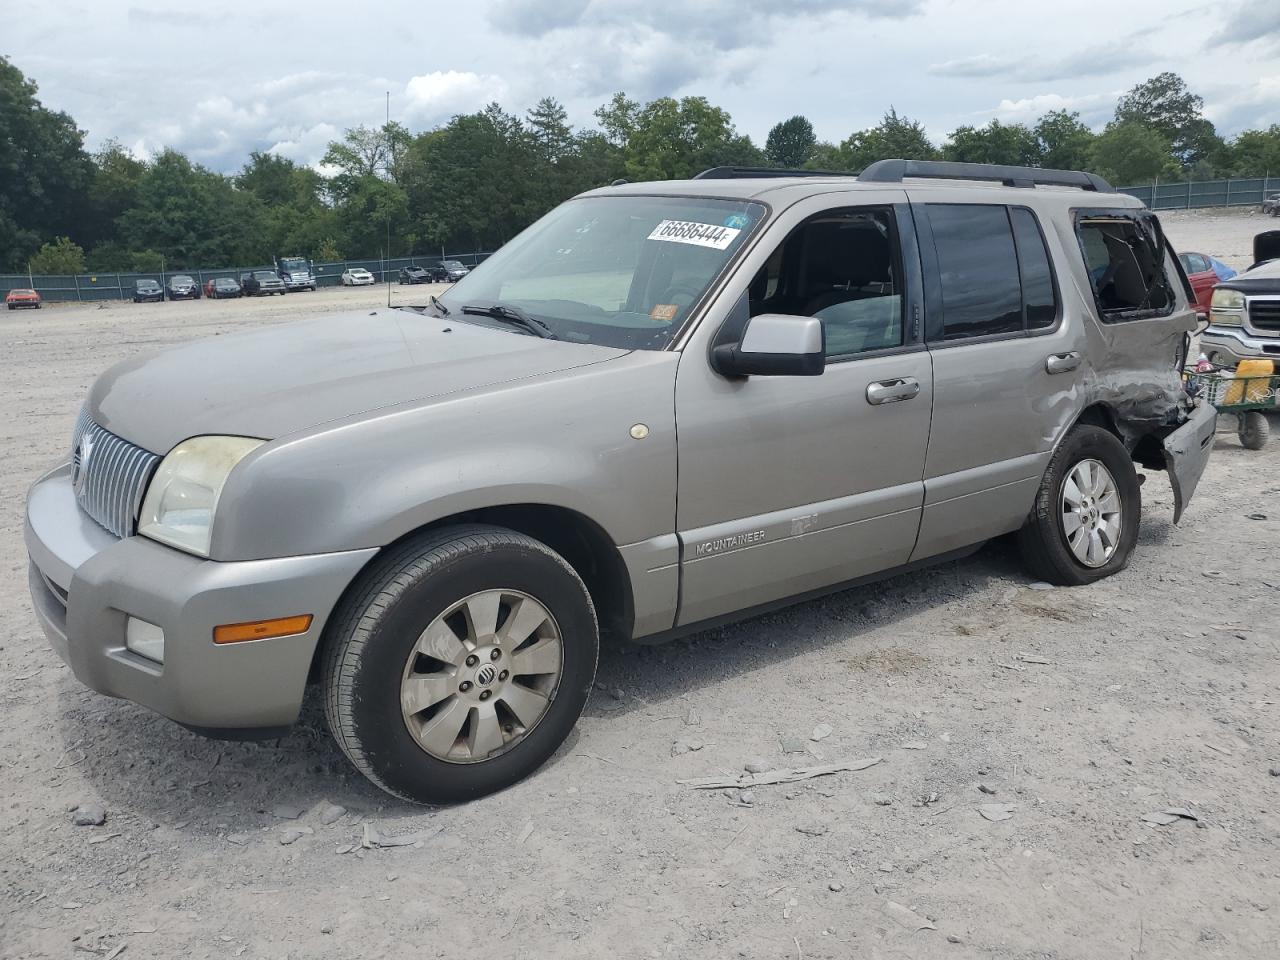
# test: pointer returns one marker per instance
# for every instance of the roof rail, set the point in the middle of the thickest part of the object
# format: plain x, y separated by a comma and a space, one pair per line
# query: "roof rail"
893, 171
752, 173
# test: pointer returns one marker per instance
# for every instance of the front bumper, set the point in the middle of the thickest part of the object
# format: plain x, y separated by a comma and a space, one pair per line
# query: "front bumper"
1235, 344
85, 584
299, 284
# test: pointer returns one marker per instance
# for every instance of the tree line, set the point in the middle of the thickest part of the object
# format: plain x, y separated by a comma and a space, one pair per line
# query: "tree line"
475, 181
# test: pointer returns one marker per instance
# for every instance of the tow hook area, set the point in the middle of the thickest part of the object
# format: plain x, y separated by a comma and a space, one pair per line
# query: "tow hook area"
1186, 454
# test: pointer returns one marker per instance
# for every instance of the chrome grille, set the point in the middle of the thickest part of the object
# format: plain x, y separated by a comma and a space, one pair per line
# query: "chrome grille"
111, 480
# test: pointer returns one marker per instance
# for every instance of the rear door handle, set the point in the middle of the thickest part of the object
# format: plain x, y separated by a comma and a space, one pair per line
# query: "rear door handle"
892, 391
1062, 362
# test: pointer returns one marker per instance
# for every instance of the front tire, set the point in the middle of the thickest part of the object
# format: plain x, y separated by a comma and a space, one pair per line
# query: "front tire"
459, 663
1084, 524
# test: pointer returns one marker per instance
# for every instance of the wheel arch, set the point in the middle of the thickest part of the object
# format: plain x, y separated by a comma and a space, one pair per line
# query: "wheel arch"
582, 542
1142, 440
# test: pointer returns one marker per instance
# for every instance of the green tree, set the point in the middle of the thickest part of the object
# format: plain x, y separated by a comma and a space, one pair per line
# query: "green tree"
894, 137
790, 143
1010, 143
44, 171
114, 191
60, 257
1065, 142
194, 217
1165, 104
548, 126
1131, 153
328, 251
669, 139
1255, 153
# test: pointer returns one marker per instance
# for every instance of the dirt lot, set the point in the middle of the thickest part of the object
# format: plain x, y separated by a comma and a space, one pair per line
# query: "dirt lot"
1081, 709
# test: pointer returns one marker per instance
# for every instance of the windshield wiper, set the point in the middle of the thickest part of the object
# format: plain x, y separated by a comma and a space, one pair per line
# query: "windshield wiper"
444, 311
514, 315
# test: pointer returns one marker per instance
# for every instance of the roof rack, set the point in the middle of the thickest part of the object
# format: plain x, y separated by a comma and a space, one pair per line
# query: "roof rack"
893, 171
753, 173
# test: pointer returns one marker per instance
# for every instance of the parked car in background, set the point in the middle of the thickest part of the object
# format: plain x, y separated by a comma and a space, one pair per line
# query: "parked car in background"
147, 291
455, 270
1203, 278
417, 274
182, 287
296, 273
260, 283
236, 516
224, 288
1271, 205
357, 277
22, 297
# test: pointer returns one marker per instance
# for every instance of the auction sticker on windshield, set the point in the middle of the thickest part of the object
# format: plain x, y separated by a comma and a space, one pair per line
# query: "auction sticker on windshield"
698, 234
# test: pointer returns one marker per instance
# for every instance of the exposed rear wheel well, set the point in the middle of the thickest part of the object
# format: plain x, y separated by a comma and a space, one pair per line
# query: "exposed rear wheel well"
1145, 449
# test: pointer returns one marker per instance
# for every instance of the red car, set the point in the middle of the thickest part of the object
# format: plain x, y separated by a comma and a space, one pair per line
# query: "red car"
22, 298
1203, 277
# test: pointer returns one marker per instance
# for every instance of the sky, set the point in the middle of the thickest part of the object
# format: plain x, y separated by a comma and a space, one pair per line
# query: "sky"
217, 83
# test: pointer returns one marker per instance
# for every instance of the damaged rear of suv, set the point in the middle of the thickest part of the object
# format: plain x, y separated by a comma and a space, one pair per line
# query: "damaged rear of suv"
440, 519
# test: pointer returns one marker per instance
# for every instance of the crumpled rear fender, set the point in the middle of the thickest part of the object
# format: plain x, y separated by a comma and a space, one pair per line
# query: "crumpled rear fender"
1186, 454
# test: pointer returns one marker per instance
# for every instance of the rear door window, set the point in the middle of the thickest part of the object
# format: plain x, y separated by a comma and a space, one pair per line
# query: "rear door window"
977, 270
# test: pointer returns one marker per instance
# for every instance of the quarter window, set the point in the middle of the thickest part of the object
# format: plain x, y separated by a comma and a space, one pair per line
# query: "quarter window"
1125, 258
1039, 297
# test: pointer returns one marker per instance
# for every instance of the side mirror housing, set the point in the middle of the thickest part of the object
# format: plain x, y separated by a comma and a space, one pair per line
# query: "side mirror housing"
774, 345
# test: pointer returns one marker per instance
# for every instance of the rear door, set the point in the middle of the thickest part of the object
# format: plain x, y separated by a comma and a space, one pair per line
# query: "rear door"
1007, 366
793, 484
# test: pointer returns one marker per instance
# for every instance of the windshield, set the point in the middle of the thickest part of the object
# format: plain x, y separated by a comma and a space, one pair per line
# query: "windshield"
180, 278
264, 275
292, 263
617, 271
454, 264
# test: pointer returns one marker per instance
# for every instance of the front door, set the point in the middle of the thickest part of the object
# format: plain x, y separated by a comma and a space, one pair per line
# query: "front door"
793, 484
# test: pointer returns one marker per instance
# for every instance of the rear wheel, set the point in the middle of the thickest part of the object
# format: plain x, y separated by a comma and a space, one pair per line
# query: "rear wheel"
1085, 521
460, 663
1254, 429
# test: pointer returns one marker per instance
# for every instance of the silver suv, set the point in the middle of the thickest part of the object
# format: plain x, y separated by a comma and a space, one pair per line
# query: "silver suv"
662, 406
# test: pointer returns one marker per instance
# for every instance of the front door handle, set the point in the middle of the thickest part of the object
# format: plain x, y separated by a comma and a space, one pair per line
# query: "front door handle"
893, 391
1062, 362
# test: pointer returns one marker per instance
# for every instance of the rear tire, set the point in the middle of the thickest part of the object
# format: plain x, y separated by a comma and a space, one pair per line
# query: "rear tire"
1254, 429
412, 695
1047, 548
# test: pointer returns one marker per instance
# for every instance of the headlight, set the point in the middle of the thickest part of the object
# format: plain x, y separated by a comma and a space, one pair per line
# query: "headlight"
183, 495
1227, 300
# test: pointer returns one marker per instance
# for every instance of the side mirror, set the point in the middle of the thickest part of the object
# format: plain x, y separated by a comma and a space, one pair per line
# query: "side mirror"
774, 345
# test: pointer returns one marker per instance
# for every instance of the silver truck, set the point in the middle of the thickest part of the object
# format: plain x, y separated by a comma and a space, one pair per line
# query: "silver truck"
662, 406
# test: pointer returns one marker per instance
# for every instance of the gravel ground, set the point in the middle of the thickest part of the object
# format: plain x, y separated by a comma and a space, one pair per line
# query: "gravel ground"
1081, 710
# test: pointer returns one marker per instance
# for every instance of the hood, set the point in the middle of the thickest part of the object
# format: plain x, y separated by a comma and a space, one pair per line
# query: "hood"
276, 381
1260, 278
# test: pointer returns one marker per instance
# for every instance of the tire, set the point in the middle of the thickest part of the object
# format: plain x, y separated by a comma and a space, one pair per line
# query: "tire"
372, 653
1254, 429
1043, 540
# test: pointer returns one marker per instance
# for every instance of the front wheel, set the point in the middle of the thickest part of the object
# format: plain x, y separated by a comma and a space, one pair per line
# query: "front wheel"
1085, 521
459, 663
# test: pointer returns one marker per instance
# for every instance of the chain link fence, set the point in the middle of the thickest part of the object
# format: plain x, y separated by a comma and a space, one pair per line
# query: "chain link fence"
1193, 194
88, 287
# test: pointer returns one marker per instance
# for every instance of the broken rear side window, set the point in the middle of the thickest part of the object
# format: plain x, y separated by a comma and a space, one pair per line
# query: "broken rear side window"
1125, 258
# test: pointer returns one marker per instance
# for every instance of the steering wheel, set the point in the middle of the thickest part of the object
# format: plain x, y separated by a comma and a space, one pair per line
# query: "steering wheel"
681, 294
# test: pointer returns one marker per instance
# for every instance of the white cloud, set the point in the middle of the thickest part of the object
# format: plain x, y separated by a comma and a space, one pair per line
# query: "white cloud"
1094, 108
441, 94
